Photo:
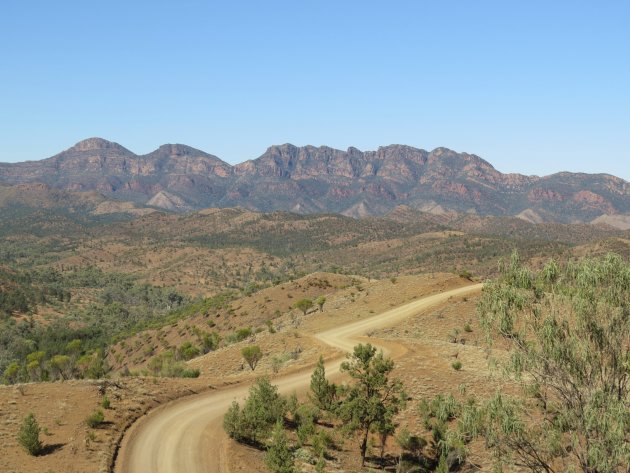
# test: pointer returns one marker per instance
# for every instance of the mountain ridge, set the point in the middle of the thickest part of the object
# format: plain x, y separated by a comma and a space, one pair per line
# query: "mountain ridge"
310, 179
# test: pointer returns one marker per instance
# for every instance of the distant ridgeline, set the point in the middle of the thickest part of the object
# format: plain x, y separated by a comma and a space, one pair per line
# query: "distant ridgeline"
321, 180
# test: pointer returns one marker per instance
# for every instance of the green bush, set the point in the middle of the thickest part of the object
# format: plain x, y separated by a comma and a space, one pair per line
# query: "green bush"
187, 351
278, 457
262, 409
210, 341
192, 373
105, 402
165, 365
11, 373
28, 436
457, 365
239, 335
95, 419
306, 415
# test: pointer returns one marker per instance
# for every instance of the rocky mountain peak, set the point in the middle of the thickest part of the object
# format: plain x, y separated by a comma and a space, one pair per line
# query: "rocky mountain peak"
97, 144
180, 150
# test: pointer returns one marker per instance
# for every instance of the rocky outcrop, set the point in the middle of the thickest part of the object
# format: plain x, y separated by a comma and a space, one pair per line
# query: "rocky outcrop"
322, 179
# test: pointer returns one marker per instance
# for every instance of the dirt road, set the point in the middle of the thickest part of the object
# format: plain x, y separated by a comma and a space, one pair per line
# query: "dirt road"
186, 436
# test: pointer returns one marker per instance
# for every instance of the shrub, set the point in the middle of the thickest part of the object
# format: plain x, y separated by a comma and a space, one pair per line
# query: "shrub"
11, 373
232, 422
95, 419
239, 335
457, 365
278, 457
105, 403
28, 436
322, 441
187, 351
323, 393
261, 410
191, 373
411, 444
306, 415
270, 326
276, 363
164, 365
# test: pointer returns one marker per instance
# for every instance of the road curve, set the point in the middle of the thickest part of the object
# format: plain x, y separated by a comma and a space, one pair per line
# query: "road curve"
186, 436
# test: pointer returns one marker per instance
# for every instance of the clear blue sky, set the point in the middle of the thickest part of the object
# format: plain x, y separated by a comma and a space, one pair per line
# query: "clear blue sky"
531, 86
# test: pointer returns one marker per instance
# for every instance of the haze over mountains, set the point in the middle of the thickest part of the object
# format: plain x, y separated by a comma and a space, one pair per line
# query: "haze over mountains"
321, 179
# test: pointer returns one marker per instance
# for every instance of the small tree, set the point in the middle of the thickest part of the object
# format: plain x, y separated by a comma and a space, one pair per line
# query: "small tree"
373, 399
320, 301
28, 436
322, 393
278, 457
232, 422
61, 366
11, 373
35, 365
304, 305
261, 410
252, 355
74, 347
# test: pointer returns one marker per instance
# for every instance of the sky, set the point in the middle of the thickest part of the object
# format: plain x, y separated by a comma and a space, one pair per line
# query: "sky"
533, 87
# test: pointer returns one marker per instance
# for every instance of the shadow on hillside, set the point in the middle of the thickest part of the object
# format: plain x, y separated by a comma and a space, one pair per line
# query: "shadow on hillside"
47, 449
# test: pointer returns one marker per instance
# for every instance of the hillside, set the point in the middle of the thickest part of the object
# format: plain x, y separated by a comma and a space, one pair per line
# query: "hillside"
322, 179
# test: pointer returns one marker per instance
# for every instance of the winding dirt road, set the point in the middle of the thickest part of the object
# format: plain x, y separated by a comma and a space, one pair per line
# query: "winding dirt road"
186, 436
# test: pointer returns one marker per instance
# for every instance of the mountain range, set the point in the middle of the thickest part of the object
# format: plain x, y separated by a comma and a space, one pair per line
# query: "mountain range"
321, 179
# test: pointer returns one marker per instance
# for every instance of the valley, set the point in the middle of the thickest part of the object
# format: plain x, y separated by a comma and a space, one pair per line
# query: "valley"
151, 310
314, 237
